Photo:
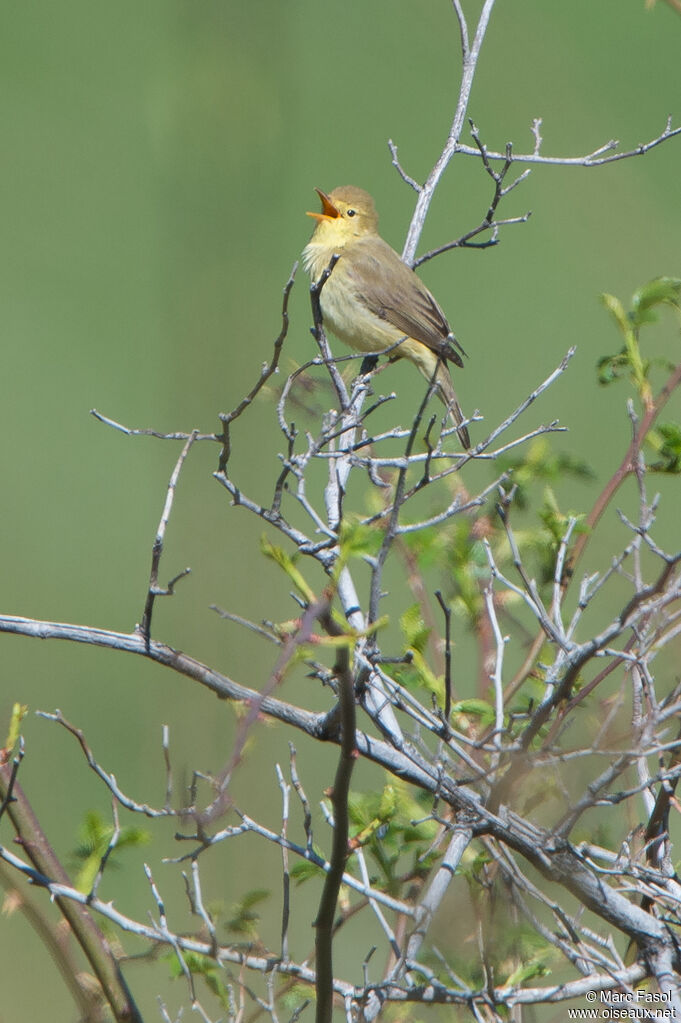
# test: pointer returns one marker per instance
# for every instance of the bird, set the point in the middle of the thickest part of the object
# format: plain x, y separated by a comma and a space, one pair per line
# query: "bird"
373, 300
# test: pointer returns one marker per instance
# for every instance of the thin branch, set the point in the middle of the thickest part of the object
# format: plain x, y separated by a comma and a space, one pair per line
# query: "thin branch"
267, 371
628, 463
108, 779
135, 432
316, 611
597, 158
154, 589
470, 55
489, 222
286, 873
447, 612
433, 897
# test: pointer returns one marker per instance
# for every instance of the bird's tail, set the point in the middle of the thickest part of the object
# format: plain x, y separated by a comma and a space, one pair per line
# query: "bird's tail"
445, 391
426, 360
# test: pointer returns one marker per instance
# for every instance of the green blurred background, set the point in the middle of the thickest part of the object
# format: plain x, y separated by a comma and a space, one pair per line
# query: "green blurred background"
157, 162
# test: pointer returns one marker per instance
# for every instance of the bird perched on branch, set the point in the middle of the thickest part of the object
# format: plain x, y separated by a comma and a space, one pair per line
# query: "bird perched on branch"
372, 299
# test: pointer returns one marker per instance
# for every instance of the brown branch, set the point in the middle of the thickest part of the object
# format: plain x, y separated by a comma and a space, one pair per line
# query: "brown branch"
90, 1003
626, 468
315, 611
341, 825
38, 850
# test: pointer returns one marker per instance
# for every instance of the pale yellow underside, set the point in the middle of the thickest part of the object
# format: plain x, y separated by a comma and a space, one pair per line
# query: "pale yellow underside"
346, 316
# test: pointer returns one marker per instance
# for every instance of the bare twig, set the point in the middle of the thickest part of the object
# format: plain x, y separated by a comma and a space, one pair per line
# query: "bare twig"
155, 590
597, 158
267, 371
470, 55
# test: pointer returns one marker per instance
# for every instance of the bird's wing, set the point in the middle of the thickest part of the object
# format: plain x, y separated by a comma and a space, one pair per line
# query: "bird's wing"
392, 291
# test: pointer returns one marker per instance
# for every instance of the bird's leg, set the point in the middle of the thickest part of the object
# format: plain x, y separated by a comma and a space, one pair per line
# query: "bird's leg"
369, 364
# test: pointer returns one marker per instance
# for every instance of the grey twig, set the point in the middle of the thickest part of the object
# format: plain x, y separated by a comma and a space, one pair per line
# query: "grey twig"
154, 589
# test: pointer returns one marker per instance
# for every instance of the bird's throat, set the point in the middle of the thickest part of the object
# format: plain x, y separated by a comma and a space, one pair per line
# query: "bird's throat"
317, 255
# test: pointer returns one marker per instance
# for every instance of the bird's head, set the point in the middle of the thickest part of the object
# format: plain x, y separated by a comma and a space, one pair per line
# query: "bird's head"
347, 213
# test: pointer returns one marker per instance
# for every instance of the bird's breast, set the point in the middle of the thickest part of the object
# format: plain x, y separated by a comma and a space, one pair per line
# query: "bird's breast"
317, 256
344, 311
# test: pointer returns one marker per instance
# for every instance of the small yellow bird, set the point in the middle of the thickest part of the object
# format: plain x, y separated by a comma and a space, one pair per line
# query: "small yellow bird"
372, 299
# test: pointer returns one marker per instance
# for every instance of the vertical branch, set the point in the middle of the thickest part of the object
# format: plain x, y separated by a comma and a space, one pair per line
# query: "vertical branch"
286, 904
320, 337
626, 468
268, 369
391, 529
469, 64
432, 899
340, 467
497, 678
447, 612
341, 829
155, 590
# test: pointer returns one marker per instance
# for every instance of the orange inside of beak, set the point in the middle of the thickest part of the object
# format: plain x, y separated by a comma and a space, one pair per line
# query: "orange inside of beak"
329, 211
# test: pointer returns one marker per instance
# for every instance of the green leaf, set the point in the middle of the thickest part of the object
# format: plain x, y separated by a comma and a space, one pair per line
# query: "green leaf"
612, 367
286, 562
614, 306
201, 966
358, 539
95, 835
477, 708
383, 825
254, 896
644, 305
538, 967
426, 677
414, 629
426, 545
19, 712
245, 919
660, 291
665, 440
543, 464
303, 870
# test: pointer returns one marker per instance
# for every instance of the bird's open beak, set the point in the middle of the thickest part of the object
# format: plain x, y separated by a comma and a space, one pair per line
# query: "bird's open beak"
329, 211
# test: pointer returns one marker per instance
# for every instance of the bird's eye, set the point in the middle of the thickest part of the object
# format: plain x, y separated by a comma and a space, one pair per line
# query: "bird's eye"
351, 213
